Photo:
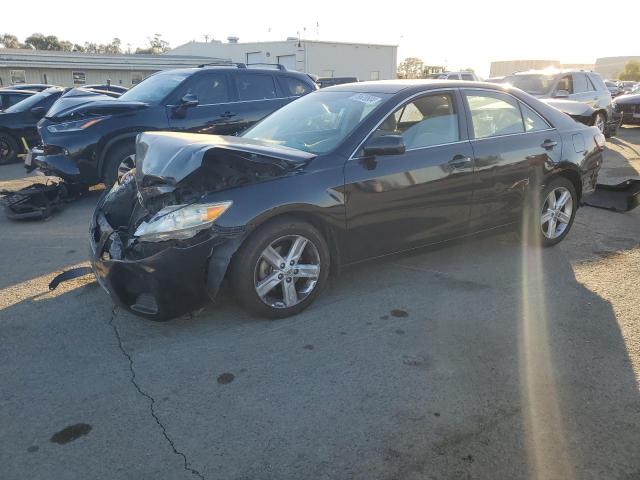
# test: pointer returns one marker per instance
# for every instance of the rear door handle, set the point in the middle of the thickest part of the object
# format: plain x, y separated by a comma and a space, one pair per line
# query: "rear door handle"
549, 144
460, 162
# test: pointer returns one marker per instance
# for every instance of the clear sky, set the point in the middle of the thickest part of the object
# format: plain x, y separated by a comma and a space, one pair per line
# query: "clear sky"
457, 33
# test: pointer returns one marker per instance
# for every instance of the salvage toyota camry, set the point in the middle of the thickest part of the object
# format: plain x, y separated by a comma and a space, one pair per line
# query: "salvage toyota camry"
342, 175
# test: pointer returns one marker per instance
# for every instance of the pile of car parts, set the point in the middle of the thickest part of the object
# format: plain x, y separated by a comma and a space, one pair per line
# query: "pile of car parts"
622, 197
37, 201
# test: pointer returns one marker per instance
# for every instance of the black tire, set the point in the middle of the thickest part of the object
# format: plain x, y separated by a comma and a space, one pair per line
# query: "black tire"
115, 156
247, 263
9, 149
538, 231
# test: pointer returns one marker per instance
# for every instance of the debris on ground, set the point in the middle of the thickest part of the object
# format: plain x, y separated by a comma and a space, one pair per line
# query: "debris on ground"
38, 200
622, 197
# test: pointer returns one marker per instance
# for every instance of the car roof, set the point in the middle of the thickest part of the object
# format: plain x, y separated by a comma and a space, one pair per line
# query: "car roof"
395, 86
204, 68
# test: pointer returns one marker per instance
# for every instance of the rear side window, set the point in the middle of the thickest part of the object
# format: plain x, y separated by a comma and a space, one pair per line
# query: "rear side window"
532, 121
467, 76
210, 88
493, 114
293, 87
580, 83
255, 87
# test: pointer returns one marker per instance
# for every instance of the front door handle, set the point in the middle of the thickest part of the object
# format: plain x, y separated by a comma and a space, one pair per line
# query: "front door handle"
460, 162
227, 115
549, 144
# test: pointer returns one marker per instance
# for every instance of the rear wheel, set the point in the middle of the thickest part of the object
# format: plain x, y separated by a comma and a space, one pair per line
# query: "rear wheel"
8, 148
120, 159
281, 268
552, 218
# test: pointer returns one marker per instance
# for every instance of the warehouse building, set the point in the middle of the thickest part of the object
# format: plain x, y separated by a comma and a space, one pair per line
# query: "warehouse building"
74, 69
321, 58
507, 67
612, 67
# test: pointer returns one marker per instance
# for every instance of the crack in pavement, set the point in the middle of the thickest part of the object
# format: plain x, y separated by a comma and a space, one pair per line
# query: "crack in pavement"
152, 401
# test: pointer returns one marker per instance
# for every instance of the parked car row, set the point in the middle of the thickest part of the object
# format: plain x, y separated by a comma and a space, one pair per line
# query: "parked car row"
582, 95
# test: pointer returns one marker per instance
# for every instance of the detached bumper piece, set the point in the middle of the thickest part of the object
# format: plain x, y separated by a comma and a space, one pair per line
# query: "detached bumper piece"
37, 201
622, 197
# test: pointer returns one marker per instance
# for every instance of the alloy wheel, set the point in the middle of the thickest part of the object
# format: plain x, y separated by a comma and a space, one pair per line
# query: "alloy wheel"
556, 212
287, 271
126, 164
5, 150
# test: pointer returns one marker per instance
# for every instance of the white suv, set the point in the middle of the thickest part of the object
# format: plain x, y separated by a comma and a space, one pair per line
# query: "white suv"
470, 76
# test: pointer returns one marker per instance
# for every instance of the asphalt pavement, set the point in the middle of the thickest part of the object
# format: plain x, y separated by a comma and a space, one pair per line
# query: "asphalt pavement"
482, 359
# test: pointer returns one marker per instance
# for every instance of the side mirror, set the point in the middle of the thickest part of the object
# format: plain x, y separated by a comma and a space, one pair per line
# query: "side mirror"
561, 94
385, 145
38, 112
189, 100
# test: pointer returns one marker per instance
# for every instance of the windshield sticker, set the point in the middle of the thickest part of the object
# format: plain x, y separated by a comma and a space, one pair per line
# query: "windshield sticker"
365, 98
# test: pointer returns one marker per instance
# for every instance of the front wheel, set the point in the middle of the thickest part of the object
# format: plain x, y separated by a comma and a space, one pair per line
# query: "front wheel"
552, 214
281, 268
119, 161
8, 148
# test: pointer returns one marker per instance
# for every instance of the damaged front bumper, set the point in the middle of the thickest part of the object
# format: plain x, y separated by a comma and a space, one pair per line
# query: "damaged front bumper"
170, 282
59, 164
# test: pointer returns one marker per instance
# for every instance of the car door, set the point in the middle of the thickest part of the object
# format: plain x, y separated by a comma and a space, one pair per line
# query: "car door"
583, 90
258, 96
214, 111
510, 142
396, 202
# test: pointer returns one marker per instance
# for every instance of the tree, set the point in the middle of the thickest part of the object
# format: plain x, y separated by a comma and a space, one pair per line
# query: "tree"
631, 71
156, 45
10, 41
411, 67
38, 41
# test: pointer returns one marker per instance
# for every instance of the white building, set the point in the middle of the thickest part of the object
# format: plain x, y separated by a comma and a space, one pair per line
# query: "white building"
324, 59
74, 69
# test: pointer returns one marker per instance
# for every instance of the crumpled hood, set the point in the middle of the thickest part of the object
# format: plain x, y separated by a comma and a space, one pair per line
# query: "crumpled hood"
570, 107
169, 157
85, 102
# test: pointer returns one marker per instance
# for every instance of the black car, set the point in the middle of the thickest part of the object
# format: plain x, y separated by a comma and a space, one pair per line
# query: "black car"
342, 175
34, 87
629, 107
580, 94
18, 123
95, 141
10, 97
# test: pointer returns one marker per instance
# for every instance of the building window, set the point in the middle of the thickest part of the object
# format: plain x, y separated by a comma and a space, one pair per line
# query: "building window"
79, 78
136, 77
375, 75
18, 76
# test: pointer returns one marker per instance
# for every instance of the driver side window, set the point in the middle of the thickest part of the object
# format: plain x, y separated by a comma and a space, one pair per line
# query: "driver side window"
565, 83
424, 122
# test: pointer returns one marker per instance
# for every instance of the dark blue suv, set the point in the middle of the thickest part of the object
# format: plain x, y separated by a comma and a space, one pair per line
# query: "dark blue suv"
93, 141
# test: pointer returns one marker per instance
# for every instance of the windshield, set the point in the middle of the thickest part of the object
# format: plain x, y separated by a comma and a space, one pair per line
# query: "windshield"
155, 88
29, 102
534, 84
318, 122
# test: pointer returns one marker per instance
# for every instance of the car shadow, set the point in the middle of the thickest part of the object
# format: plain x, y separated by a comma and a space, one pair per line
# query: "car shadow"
482, 359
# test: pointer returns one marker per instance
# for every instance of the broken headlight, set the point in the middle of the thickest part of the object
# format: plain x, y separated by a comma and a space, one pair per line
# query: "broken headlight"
179, 222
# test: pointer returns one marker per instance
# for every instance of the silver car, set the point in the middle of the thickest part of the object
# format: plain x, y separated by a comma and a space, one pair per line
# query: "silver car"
561, 88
